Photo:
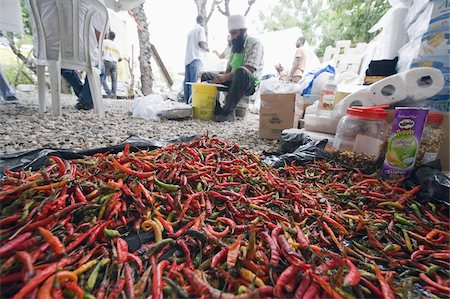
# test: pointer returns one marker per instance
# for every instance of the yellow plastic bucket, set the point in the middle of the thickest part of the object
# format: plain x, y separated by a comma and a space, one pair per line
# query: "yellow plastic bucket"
203, 101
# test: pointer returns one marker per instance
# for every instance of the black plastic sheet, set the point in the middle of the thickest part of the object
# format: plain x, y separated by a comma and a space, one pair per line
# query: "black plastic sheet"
434, 184
298, 148
36, 159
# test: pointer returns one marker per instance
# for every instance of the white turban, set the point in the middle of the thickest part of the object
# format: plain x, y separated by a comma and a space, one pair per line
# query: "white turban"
236, 22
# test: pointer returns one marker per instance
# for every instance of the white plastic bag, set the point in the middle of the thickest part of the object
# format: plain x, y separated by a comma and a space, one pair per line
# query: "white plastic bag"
154, 107
273, 85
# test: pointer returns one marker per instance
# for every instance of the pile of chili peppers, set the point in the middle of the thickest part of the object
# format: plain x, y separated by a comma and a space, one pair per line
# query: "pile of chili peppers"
213, 221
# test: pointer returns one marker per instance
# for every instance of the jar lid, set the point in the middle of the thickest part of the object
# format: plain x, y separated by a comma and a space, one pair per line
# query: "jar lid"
374, 113
435, 118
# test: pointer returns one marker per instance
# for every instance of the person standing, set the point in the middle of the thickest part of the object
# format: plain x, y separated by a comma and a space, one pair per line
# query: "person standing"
243, 73
111, 56
195, 46
298, 65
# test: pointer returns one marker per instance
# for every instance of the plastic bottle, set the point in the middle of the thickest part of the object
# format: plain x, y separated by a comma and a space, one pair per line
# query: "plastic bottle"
327, 97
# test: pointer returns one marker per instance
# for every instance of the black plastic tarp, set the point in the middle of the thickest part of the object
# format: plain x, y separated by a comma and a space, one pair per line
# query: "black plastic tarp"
37, 159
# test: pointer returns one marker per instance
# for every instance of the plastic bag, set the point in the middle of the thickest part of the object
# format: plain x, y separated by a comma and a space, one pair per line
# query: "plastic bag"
154, 107
275, 86
307, 151
312, 82
434, 184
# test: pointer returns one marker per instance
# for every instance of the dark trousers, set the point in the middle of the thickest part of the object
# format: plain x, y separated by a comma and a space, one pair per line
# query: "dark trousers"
110, 68
240, 85
190, 75
81, 90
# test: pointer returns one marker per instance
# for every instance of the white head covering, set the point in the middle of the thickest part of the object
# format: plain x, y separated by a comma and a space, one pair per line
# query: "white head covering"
236, 22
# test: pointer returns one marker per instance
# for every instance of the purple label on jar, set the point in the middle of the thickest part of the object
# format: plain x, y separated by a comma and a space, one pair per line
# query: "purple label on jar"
404, 141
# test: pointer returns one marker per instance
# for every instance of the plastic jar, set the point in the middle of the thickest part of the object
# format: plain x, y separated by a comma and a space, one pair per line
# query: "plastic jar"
432, 139
360, 140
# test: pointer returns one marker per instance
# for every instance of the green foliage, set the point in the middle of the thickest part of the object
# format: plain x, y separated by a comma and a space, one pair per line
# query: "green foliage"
323, 22
11, 74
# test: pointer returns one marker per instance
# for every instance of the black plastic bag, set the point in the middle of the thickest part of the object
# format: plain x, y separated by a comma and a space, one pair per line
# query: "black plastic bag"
434, 184
307, 151
36, 159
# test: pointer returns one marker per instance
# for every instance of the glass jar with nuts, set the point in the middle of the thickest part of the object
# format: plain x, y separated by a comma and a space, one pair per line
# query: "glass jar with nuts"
360, 140
432, 139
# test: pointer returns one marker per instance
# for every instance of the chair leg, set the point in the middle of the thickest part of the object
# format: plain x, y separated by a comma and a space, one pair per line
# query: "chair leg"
95, 87
40, 69
54, 68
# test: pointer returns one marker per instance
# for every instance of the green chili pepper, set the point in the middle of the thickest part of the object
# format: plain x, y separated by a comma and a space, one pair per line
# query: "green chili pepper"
407, 240
87, 295
432, 269
402, 220
391, 204
94, 274
198, 259
179, 290
26, 209
242, 290
168, 187
214, 215
110, 233
390, 247
416, 209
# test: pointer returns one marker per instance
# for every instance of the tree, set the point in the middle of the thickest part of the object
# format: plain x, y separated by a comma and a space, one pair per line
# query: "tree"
324, 22
145, 49
223, 6
201, 11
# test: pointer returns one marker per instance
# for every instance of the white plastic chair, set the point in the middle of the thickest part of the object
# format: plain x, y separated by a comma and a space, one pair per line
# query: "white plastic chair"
68, 45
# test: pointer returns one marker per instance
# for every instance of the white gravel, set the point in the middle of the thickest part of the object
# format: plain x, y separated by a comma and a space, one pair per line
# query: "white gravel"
22, 128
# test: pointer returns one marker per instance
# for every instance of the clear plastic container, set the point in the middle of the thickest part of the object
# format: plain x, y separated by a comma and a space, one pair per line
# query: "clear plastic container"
327, 97
432, 139
360, 140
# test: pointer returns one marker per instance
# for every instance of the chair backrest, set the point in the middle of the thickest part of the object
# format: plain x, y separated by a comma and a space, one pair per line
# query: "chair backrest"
70, 30
81, 42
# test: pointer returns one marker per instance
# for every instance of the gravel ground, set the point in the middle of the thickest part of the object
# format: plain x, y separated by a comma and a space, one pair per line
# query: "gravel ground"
23, 128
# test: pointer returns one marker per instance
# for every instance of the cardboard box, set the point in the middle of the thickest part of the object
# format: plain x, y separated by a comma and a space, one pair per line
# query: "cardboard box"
278, 112
445, 147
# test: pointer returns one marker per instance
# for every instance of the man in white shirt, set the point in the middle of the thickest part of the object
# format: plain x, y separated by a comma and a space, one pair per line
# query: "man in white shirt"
111, 56
196, 45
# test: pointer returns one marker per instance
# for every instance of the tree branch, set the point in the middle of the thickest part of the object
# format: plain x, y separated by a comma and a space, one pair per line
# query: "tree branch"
213, 5
226, 10
250, 3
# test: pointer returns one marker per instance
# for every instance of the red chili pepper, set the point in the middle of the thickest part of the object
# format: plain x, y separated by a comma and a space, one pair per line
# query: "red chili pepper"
79, 195
434, 284
219, 256
53, 241
117, 288
303, 287
157, 279
138, 261
52, 217
301, 238
129, 171
187, 253
11, 245
233, 251
74, 287
284, 278
129, 281
353, 276
385, 287
80, 239
40, 277
292, 256
8, 220
274, 250
122, 250
27, 264
219, 235
61, 165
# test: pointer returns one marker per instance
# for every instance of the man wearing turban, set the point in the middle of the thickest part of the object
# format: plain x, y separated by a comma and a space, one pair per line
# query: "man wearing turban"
242, 76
